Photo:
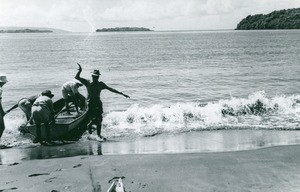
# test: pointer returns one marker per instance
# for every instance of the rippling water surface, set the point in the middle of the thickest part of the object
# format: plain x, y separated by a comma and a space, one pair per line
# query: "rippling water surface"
178, 81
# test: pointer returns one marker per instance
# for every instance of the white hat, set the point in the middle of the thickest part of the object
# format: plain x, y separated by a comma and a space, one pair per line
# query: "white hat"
3, 78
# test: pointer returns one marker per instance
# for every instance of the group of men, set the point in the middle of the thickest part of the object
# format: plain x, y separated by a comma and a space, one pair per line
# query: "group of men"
39, 108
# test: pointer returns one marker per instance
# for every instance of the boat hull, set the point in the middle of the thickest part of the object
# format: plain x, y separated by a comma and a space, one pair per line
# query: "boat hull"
66, 127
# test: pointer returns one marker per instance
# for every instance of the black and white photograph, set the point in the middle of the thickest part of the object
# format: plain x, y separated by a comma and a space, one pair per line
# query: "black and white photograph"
150, 95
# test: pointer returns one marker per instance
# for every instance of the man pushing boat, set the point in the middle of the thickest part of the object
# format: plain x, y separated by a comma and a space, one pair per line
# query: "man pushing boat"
43, 112
94, 89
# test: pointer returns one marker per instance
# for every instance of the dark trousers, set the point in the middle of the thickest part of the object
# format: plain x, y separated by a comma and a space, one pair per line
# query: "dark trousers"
39, 132
95, 111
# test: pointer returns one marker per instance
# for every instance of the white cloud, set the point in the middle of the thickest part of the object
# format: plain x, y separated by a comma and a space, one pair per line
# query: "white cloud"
86, 15
144, 10
157, 9
66, 14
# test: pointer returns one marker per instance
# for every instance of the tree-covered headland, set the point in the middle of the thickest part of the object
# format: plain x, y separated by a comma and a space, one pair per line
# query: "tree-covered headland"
282, 19
25, 31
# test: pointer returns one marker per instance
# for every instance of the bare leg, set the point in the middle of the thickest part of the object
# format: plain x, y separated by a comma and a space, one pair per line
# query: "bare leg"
67, 106
89, 126
2, 126
31, 120
47, 126
81, 101
99, 127
38, 133
28, 116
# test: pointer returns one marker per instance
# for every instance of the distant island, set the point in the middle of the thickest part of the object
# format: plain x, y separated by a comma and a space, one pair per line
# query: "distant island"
120, 29
25, 31
283, 19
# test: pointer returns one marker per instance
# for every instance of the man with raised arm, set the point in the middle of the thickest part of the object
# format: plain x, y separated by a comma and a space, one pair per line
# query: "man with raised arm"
94, 89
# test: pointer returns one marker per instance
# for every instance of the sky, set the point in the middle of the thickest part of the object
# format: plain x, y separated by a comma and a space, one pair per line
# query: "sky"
158, 15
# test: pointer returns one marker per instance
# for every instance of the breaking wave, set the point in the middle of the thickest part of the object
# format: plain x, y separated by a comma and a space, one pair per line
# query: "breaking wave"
255, 112
11, 136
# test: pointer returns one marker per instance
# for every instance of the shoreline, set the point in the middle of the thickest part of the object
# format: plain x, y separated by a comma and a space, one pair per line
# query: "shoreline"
183, 143
268, 169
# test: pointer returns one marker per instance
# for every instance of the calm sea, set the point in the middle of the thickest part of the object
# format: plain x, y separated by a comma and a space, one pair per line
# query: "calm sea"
178, 81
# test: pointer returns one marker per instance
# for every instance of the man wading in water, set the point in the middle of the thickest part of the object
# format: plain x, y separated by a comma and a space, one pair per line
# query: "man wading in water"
94, 89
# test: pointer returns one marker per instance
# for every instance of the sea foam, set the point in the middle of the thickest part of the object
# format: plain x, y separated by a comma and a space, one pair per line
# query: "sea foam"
257, 111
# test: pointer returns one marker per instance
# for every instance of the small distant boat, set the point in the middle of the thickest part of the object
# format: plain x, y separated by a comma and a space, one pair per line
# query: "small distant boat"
66, 127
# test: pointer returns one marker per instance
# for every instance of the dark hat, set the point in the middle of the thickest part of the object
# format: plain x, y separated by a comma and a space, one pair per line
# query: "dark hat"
47, 93
96, 73
3, 79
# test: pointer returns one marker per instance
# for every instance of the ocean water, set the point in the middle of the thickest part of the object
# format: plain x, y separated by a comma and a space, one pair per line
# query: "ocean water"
179, 82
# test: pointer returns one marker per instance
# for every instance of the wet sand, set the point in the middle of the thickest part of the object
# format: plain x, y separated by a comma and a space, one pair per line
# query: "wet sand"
268, 169
189, 142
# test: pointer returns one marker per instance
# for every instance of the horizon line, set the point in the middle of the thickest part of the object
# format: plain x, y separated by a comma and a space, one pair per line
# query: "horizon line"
161, 30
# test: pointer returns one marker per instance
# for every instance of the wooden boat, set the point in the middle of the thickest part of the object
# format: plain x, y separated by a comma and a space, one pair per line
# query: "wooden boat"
66, 127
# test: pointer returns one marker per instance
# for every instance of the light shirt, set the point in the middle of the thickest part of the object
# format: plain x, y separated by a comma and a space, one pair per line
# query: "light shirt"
44, 102
71, 87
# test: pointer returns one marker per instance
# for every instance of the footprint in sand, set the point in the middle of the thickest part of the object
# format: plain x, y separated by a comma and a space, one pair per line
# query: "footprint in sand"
60, 169
79, 165
38, 174
9, 189
143, 185
50, 180
10, 182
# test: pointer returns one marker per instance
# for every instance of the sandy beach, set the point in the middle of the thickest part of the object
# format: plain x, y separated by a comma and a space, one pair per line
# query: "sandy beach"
205, 98
267, 169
